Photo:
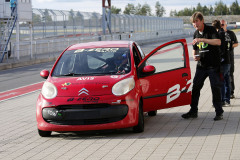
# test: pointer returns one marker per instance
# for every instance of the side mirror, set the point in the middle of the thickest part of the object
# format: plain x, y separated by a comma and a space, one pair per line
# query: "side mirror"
44, 74
148, 70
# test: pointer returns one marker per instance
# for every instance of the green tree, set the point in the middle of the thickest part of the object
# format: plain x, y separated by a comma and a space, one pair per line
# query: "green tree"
185, 12
211, 10
160, 10
115, 10
220, 8
78, 14
129, 9
146, 10
199, 7
47, 16
205, 10
234, 8
71, 15
36, 18
173, 13
138, 9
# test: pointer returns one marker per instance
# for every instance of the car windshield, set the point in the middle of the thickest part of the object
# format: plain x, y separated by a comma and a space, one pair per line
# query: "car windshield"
93, 61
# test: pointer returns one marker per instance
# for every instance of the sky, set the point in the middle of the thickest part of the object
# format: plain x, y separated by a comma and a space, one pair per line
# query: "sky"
96, 5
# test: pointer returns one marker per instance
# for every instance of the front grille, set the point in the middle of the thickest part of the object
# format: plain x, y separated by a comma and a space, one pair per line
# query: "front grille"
86, 122
84, 114
83, 106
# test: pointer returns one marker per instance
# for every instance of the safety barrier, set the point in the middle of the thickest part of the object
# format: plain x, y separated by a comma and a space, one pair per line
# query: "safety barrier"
54, 30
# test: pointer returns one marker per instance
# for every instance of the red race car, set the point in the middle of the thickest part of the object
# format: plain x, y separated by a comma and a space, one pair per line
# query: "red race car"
109, 84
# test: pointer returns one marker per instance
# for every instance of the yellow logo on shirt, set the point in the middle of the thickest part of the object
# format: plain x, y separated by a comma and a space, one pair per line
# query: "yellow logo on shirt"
202, 46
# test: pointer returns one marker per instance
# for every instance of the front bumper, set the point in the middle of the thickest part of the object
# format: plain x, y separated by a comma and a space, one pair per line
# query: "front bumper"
61, 114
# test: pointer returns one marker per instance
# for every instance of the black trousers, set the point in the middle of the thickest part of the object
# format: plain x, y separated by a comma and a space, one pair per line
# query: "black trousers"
215, 82
232, 78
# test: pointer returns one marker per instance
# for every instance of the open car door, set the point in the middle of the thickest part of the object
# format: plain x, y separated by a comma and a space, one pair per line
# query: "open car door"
171, 83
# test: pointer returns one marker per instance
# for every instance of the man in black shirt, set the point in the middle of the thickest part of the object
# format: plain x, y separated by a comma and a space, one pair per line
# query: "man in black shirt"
233, 44
206, 52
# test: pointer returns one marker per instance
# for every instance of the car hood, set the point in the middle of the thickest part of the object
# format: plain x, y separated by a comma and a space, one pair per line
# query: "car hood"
85, 86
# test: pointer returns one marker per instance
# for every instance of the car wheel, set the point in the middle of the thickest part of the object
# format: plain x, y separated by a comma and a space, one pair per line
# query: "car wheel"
140, 126
152, 113
44, 133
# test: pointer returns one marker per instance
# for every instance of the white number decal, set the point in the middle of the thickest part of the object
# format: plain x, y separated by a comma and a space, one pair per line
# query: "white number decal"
174, 93
190, 87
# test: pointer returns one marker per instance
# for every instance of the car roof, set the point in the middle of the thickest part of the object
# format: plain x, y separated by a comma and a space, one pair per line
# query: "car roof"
100, 44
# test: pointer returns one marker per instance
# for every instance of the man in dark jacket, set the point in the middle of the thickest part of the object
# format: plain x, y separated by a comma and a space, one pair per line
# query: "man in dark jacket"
206, 44
233, 44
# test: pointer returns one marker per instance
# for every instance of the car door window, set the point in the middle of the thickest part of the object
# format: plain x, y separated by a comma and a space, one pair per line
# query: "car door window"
170, 57
140, 51
136, 56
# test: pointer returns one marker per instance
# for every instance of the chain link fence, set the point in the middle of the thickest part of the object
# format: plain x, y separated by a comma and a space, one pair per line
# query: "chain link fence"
54, 30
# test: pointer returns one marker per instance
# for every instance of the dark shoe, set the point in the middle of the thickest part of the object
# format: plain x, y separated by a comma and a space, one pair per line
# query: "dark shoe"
218, 117
232, 96
190, 115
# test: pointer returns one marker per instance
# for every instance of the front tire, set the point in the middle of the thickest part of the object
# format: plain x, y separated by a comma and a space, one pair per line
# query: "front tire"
152, 113
140, 126
44, 133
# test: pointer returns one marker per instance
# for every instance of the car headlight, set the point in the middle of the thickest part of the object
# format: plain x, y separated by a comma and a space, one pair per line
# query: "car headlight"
124, 86
49, 90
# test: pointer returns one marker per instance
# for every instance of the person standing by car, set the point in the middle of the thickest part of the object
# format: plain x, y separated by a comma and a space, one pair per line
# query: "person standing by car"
233, 44
225, 62
206, 44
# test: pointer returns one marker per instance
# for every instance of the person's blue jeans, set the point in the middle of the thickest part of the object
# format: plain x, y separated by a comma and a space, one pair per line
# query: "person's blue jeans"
226, 90
12, 11
216, 84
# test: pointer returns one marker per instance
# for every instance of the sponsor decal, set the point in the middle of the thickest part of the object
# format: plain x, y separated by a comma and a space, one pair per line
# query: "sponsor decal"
104, 86
52, 113
85, 78
90, 82
84, 99
66, 84
99, 50
83, 91
117, 102
202, 45
114, 76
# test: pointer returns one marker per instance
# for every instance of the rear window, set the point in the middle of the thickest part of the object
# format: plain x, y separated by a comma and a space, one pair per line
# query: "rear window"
93, 61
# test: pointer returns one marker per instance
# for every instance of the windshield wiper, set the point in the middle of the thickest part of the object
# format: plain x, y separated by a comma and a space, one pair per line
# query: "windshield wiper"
73, 74
68, 74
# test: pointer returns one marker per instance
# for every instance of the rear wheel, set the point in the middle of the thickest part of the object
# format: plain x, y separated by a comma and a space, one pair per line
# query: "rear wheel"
152, 113
140, 126
44, 133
